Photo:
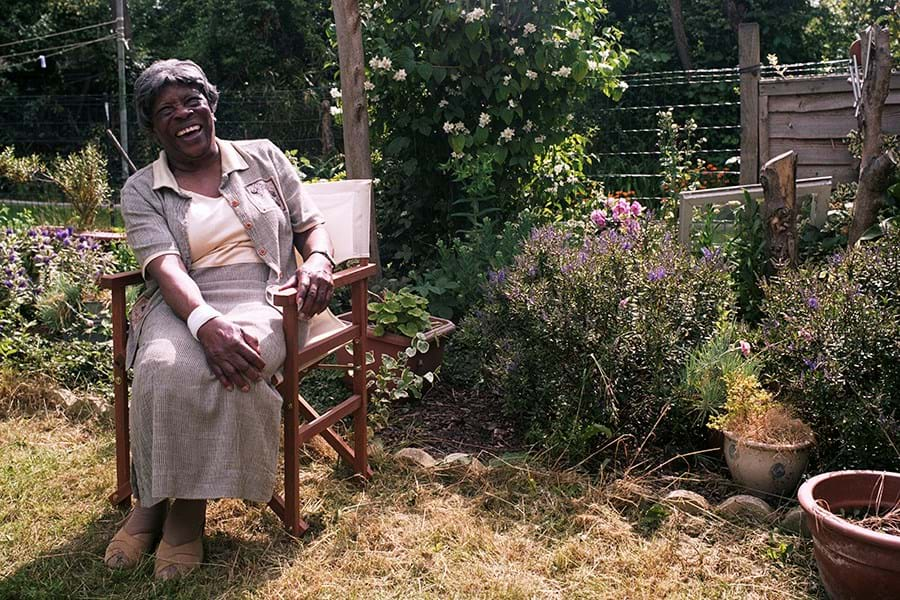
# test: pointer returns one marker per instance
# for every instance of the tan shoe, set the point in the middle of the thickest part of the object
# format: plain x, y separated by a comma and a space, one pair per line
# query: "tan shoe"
125, 549
176, 561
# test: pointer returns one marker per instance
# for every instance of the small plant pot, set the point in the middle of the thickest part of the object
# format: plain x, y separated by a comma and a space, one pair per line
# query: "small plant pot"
393, 344
766, 469
853, 562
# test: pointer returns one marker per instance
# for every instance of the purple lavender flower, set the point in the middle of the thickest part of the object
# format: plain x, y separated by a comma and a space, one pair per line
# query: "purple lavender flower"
656, 274
812, 302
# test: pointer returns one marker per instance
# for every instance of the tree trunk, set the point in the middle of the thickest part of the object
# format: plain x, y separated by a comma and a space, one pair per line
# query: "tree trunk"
734, 12
780, 210
681, 44
875, 164
357, 153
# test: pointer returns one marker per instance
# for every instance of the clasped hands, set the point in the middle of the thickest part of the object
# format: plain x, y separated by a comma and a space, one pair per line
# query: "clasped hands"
234, 354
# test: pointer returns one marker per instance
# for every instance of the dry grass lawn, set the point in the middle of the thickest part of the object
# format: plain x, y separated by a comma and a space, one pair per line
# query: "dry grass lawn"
514, 531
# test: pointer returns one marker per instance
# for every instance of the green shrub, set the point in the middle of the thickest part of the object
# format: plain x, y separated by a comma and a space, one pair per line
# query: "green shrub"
456, 281
833, 337
464, 95
588, 335
402, 312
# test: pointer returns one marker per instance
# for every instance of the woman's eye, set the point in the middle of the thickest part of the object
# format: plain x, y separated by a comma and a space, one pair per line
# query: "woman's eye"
193, 102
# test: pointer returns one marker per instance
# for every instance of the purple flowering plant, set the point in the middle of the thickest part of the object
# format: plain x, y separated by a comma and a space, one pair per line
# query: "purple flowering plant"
589, 330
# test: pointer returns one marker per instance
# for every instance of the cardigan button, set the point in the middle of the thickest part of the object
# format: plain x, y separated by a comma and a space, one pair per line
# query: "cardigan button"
248, 225
261, 251
234, 203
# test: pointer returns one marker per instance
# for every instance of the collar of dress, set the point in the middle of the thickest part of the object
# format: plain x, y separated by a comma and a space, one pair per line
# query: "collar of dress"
231, 161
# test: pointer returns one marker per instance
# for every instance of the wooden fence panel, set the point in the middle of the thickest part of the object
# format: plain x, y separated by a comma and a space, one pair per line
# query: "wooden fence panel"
812, 116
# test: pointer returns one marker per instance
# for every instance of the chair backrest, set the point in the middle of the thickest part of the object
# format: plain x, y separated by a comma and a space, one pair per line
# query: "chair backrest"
346, 208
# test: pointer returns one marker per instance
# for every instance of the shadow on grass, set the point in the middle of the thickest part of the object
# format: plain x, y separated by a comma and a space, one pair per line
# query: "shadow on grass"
244, 547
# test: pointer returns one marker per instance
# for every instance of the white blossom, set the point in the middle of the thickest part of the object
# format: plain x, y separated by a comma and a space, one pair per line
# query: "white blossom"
368, 85
476, 15
442, 103
559, 168
335, 110
539, 139
513, 41
512, 103
562, 72
507, 79
400, 75
572, 179
484, 120
570, 117
448, 126
519, 51
380, 63
453, 128
573, 35
530, 74
507, 134
457, 155
335, 93
529, 28
528, 126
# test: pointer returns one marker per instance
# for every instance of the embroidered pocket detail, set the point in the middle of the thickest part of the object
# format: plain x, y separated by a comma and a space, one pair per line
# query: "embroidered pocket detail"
263, 194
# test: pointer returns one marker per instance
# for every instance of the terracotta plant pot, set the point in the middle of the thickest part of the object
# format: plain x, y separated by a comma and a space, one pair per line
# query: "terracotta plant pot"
392, 344
854, 562
766, 469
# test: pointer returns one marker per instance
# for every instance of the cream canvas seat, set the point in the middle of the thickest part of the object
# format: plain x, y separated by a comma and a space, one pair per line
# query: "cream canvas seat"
346, 208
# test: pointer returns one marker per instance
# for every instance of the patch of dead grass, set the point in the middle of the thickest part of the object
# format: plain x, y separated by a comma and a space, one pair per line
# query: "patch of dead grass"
516, 531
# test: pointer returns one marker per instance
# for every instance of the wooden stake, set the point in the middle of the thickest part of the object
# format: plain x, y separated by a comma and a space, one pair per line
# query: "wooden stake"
748, 50
780, 210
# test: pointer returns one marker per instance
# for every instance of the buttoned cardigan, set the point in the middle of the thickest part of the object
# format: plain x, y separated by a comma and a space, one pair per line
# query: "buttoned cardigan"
260, 185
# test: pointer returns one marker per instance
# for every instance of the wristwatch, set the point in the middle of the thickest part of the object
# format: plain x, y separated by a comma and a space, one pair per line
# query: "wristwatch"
326, 255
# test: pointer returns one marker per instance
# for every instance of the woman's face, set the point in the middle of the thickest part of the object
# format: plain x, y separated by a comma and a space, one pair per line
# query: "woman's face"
183, 124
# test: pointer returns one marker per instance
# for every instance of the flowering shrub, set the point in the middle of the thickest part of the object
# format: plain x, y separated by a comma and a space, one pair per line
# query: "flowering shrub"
587, 335
833, 335
449, 81
52, 313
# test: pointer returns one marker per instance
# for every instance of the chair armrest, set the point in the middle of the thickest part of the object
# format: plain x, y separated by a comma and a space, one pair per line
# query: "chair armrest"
341, 278
121, 280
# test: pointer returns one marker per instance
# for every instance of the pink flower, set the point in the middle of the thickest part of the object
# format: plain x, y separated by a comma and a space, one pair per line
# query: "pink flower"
745, 348
620, 209
636, 208
599, 218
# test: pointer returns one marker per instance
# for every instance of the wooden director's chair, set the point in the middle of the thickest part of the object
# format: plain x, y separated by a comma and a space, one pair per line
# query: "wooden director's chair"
346, 208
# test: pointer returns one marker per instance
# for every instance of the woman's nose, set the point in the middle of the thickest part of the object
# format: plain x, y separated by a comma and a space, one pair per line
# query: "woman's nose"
183, 112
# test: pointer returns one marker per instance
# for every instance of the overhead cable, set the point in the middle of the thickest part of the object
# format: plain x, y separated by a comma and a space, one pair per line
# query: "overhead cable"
50, 35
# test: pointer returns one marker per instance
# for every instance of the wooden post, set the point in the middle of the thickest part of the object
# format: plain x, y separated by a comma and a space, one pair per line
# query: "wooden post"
748, 50
780, 209
876, 164
357, 154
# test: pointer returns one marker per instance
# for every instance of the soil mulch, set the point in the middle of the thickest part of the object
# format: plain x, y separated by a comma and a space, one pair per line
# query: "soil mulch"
451, 419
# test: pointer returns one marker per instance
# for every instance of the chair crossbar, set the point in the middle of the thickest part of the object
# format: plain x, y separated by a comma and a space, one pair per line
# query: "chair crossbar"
334, 440
327, 345
329, 418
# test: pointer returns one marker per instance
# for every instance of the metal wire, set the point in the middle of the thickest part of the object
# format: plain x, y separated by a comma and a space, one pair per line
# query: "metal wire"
58, 33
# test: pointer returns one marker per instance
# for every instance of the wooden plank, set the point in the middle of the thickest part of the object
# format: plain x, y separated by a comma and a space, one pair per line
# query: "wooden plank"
823, 125
838, 173
748, 50
812, 85
820, 102
814, 152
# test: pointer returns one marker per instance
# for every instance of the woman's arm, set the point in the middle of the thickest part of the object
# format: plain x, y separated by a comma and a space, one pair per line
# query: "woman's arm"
232, 354
313, 279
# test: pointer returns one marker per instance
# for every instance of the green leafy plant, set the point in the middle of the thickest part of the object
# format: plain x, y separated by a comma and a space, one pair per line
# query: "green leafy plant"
403, 312
678, 147
745, 252
463, 95
832, 337
81, 176
711, 363
586, 335
752, 414
395, 380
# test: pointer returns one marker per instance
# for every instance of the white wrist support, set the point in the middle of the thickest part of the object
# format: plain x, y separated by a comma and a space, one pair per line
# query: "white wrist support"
199, 316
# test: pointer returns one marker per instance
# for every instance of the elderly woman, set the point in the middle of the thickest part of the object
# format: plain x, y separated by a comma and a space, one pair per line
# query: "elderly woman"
214, 225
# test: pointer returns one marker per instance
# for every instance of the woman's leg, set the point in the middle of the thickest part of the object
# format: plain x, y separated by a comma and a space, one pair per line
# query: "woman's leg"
181, 548
136, 536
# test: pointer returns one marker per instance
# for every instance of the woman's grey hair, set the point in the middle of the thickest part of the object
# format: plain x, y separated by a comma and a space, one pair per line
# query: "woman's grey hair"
166, 72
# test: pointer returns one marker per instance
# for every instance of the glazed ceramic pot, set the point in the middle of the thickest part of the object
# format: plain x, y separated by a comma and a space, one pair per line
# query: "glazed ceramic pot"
766, 469
854, 562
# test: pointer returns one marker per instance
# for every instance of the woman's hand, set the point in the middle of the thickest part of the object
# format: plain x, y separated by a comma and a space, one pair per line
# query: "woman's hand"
232, 353
314, 283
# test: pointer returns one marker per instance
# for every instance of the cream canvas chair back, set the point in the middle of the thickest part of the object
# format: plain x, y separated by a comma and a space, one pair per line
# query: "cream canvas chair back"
346, 206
